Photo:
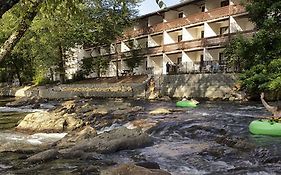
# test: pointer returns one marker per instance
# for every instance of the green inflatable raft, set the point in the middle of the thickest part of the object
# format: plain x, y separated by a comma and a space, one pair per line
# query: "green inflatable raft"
186, 104
265, 127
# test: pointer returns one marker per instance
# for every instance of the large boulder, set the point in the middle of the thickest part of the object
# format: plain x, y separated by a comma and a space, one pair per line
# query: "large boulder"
114, 140
49, 122
131, 169
73, 137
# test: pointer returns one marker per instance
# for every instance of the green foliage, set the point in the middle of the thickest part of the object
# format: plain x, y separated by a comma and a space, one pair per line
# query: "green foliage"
134, 57
96, 65
236, 50
64, 24
40, 78
260, 56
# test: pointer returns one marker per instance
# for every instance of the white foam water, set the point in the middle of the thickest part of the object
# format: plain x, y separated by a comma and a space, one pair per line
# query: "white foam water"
4, 166
11, 109
35, 139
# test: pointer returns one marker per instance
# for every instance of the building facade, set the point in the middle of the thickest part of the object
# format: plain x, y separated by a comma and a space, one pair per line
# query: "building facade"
186, 38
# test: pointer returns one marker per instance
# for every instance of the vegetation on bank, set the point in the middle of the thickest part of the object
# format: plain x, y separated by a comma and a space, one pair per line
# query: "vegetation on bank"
50, 29
259, 57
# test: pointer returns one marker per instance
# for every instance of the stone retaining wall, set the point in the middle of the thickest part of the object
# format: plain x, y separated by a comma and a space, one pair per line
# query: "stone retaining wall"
189, 85
68, 91
198, 85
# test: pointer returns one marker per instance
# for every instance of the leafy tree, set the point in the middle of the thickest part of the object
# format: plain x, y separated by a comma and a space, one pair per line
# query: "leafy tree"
6, 5
134, 57
57, 28
98, 65
260, 56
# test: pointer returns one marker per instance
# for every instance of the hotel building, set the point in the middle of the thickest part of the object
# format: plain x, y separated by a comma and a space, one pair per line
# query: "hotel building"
189, 37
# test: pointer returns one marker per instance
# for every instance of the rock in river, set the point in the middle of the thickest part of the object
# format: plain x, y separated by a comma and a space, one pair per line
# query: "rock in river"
44, 156
130, 169
49, 122
114, 140
160, 111
75, 136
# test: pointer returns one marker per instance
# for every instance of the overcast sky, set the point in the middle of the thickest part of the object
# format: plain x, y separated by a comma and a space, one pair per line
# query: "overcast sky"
149, 6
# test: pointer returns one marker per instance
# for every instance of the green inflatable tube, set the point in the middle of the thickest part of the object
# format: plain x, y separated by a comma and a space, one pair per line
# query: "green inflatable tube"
186, 104
265, 127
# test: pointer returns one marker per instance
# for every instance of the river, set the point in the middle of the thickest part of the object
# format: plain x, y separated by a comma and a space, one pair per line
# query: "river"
210, 139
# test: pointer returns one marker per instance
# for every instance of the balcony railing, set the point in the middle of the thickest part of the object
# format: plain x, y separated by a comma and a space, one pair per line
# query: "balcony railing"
195, 18
205, 42
154, 50
220, 40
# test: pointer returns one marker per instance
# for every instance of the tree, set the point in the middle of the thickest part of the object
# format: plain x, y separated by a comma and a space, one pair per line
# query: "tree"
57, 28
23, 26
96, 65
6, 5
134, 57
261, 55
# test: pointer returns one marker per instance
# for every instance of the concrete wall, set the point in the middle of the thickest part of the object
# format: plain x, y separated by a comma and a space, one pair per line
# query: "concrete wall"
70, 91
189, 85
198, 85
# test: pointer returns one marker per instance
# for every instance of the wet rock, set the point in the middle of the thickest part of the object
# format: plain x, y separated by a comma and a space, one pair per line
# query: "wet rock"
44, 156
120, 112
73, 137
272, 159
68, 107
165, 98
237, 143
24, 101
85, 108
69, 104
125, 112
159, 111
149, 165
144, 124
20, 147
93, 170
130, 169
136, 109
115, 140
49, 122
101, 110
213, 151
80, 154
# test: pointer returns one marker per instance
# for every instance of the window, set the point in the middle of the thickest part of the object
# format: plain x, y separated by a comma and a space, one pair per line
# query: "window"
146, 65
179, 38
221, 59
179, 60
202, 34
201, 65
202, 8
224, 3
180, 15
223, 30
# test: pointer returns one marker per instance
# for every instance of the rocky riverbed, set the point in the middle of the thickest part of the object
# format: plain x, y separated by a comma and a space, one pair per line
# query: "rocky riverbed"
121, 136
87, 123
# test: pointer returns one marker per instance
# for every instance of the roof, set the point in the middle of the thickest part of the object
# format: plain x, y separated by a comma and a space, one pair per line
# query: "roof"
169, 8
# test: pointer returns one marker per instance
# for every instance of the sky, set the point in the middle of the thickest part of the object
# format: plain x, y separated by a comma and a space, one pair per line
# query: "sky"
148, 6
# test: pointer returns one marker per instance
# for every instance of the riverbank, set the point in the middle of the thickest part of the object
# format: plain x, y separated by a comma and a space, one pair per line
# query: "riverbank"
208, 86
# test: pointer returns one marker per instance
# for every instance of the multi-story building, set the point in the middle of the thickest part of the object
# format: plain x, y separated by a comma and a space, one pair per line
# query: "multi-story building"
187, 37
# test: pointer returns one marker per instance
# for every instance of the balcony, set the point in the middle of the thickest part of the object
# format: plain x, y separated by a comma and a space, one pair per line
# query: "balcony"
154, 50
198, 43
195, 18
